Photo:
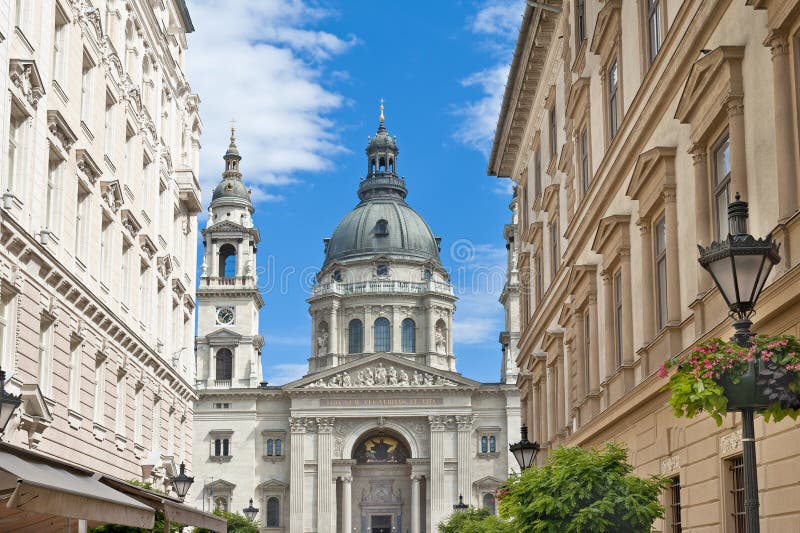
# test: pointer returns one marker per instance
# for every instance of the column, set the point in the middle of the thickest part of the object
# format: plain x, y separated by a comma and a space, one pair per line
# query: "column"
296, 476
648, 294
701, 209
464, 426
580, 356
673, 272
551, 403
594, 353
333, 331
430, 328
415, 480
609, 346
735, 107
369, 344
627, 308
784, 131
347, 502
561, 413
325, 492
396, 330
533, 425
438, 504
569, 400
450, 340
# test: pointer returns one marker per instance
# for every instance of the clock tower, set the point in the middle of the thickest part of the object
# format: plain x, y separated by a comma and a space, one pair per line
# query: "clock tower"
228, 343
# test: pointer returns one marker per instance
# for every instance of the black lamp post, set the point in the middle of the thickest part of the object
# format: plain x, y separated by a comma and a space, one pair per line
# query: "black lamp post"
182, 482
250, 512
460, 506
8, 403
740, 265
524, 451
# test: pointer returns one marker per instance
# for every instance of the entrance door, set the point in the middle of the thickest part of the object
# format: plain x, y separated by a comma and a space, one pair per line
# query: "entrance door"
381, 523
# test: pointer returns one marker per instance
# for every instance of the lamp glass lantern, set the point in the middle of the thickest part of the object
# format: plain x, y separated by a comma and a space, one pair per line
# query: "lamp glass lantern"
182, 482
460, 506
524, 451
8, 403
250, 512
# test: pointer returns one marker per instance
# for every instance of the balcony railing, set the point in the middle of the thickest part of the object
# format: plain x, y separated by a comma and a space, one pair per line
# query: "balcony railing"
382, 286
233, 281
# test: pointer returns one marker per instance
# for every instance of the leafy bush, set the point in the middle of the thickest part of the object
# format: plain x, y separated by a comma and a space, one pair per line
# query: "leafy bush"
475, 521
236, 523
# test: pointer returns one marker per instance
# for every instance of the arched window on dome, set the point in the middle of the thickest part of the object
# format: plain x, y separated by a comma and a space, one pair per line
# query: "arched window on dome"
409, 336
355, 336
227, 261
383, 335
372, 166
224, 365
391, 164
381, 228
273, 512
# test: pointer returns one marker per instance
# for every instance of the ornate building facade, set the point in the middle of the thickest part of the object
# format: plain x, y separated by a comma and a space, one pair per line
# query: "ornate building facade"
627, 128
382, 434
99, 185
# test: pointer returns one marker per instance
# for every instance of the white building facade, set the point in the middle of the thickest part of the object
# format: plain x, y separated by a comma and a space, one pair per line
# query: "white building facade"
100, 135
382, 434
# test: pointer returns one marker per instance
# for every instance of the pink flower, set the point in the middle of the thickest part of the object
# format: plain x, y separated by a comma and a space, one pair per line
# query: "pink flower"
662, 371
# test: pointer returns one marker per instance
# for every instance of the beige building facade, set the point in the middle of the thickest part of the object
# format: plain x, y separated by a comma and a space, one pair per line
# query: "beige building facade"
100, 135
627, 127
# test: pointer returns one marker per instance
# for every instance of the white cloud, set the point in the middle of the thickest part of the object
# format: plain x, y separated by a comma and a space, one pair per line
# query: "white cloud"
285, 373
478, 281
262, 64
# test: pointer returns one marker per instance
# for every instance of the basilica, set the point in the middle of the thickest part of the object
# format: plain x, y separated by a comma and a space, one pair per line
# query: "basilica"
382, 434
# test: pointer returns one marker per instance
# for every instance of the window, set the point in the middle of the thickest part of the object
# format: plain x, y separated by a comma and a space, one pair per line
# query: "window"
273, 512
553, 131
99, 390
580, 21
109, 125
484, 444
618, 316
224, 365
382, 270
584, 155
274, 447
539, 278
16, 149
654, 37
130, 146
537, 173
660, 230
337, 276
492, 444
674, 508
222, 405
126, 272
87, 90
613, 103
487, 441
270, 447
489, 502
227, 261
74, 391
222, 447
45, 355
119, 411
59, 48
721, 185
409, 336
381, 228
221, 504
138, 406
106, 238
427, 275
355, 336
736, 484
52, 207
554, 248
81, 223
587, 346
6, 328
383, 335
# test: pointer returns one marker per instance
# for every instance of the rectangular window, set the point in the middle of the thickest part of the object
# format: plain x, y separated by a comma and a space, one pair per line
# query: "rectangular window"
106, 245
660, 231
137, 414
580, 21
52, 207
119, 411
721, 185
587, 348
21, 13
45, 355
613, 103
653, 28
99, 391
221, 447
59, 69
553, 131
6, 328
674, 509
110, 125
537, 175
81, 223
618, 316
584, 154
736, 468
146, 183
16, 148
87, 90
130, 137
126, 272
539, 280
155, 434
75, 353
554, 248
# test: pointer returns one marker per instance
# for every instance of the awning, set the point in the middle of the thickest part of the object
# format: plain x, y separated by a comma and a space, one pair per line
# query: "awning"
35, 488
174, 511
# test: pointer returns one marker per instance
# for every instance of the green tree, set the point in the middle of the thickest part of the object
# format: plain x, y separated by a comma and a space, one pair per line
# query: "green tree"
158, 525
236, 523
474, 521
582, 491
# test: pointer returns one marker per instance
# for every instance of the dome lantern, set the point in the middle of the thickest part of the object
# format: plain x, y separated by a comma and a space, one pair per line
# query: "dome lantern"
382, 178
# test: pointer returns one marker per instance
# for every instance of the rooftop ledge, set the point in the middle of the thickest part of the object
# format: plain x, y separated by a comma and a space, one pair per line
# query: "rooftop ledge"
382, 286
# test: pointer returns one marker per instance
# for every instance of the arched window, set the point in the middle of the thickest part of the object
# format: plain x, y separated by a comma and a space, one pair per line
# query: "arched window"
484, 444
489, 502
383, 337
391, 165
270, 447
224, 364
382, 165
227, 261
221, 504
492, 445
409, 336
381, 228
372, 165
355, 336
278, 447
273, 512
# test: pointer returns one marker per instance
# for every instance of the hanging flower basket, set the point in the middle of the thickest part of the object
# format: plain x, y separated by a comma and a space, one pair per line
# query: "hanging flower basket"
718, 377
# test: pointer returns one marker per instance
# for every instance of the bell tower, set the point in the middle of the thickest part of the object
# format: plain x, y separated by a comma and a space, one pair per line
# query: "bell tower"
228, 300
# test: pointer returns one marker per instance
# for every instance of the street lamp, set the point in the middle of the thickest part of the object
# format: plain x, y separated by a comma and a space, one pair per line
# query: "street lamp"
524, 451
182, 482
8, 402
740, 265
460, 506
250, 512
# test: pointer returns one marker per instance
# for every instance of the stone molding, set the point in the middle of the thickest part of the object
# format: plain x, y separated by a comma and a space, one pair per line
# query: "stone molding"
381, 376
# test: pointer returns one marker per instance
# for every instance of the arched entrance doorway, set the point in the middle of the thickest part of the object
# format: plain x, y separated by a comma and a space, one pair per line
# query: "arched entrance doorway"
381, 487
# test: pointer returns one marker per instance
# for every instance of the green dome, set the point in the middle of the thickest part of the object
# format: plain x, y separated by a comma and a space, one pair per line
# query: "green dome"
231, 188
382, 227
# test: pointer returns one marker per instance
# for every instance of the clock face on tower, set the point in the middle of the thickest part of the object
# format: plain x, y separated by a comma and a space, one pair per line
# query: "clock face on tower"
225, 315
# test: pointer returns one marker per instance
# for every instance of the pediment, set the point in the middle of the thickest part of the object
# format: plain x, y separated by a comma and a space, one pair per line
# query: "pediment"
382, 371
221, 485
226, 225
582, 280
578, 95
487, 480
224, 334
606, 28
272, 484
33, 403
653, 172
611, 227
713, 77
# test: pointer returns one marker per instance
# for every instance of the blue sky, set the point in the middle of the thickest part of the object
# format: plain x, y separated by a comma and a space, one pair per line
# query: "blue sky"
303, 79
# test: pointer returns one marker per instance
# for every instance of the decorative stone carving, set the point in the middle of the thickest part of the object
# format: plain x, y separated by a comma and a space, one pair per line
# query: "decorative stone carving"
164, 266
300, 424
732, 442
464, 422
147, 245
438, 422
111, 193
322, 339
325, 424
381, 376
60, 130
670, 465
441, 338
25, 76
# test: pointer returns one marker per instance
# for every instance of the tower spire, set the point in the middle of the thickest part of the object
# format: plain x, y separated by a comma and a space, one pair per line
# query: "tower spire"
381, 119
